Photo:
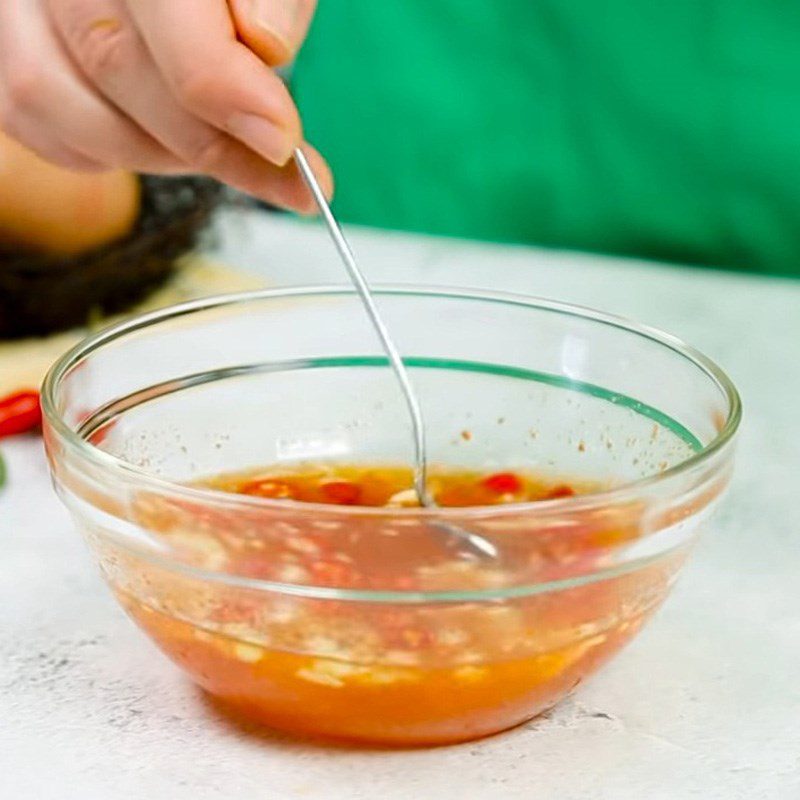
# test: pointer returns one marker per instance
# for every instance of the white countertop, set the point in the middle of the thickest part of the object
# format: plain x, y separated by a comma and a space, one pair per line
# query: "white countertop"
704, 704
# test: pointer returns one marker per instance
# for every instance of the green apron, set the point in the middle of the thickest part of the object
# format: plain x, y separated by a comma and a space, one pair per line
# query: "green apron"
668, 130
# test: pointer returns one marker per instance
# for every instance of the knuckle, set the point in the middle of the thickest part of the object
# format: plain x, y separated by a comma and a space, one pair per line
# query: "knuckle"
104, 48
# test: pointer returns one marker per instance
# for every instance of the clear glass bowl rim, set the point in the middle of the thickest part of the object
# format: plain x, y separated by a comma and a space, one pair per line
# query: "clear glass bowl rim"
116, 468
107, 462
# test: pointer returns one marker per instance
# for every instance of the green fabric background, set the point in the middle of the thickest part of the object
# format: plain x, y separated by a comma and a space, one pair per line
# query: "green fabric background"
668, 130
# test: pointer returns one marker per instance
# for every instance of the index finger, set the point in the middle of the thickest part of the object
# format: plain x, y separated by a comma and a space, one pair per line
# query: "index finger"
216, 77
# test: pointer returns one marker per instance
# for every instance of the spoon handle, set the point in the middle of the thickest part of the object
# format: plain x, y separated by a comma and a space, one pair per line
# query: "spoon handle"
474, 544
362, 287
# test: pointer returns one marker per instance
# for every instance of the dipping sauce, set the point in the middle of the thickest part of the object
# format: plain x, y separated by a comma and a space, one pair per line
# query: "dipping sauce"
390, 487
434, 646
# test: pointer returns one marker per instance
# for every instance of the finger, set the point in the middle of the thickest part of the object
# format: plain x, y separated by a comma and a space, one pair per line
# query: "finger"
217, 78
41, 142
105, 44
285, 187
272, 29
294, 192
45, 90
52, 150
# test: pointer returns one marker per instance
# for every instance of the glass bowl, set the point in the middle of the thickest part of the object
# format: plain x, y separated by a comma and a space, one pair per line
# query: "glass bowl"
375, 624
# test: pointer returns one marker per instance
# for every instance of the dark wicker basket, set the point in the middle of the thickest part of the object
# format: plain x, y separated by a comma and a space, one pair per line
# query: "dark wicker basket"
40, 295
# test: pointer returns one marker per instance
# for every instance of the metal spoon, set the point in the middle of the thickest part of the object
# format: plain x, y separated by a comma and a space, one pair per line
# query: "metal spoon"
476, 543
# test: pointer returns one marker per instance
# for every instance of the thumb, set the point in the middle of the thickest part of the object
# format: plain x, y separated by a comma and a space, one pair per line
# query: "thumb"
272, 29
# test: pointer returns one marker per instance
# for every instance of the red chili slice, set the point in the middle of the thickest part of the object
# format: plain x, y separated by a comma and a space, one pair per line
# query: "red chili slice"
503, 483
19, 413
341, 493
559, 491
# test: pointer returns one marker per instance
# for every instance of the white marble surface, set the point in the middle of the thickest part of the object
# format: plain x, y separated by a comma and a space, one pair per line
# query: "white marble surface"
705, 704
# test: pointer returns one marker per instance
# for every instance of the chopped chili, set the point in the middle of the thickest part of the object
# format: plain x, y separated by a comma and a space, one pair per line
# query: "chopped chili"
343, 493
503, 483
559, 491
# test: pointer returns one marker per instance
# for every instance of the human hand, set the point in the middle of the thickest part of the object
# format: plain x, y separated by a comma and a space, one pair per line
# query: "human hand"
159, 86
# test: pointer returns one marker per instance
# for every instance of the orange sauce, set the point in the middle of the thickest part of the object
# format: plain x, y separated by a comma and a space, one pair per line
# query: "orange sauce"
386, 672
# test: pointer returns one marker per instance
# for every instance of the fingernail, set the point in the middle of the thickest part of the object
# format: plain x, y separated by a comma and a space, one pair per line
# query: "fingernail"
280, 18
262, 136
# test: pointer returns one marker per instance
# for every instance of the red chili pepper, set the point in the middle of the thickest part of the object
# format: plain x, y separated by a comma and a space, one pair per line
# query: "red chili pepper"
559, 491
342, 493
19, 412
503, 483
